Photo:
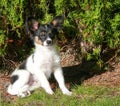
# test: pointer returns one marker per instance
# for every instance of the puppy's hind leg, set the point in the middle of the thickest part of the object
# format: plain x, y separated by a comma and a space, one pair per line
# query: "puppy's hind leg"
19, 86
24, 91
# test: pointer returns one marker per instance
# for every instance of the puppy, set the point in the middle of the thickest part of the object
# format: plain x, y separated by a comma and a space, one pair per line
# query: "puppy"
45, 60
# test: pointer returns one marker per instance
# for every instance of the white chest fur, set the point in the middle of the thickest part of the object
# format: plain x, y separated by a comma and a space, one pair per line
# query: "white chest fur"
45, 59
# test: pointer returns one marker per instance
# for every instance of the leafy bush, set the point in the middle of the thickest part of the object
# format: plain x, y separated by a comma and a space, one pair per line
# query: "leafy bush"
94, 23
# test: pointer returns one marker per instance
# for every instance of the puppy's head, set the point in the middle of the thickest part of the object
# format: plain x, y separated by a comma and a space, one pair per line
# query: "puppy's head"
44, 34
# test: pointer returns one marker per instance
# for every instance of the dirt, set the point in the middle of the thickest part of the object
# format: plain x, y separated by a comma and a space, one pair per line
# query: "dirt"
4, 82
109, 78
75, 72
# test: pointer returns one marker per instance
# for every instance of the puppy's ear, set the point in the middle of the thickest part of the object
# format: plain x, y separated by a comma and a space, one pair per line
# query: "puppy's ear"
57, 21
32, 24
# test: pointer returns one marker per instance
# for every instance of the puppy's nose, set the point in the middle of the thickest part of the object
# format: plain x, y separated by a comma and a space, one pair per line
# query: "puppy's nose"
49, 42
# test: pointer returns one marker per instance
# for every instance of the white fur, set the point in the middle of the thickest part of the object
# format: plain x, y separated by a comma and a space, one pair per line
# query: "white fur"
38, 69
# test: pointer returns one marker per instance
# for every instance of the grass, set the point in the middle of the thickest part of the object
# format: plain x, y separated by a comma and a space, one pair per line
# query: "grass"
82, 96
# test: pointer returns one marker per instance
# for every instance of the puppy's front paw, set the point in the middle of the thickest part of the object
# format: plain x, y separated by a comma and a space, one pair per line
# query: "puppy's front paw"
67, 92
50, 92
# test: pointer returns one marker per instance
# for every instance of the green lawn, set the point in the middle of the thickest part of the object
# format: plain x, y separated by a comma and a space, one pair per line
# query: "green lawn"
82, 96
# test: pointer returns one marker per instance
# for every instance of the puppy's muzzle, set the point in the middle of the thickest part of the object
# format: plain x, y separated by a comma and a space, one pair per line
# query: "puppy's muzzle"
49, 42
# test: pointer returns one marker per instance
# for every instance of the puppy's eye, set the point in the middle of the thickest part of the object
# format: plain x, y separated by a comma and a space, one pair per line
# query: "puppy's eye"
42, 33
51, 35
55, 31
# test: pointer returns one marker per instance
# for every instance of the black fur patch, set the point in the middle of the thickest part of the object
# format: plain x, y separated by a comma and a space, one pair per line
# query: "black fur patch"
33, 58
23, 65
13, 79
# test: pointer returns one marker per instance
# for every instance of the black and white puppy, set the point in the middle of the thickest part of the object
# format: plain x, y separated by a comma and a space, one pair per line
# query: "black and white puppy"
36, 70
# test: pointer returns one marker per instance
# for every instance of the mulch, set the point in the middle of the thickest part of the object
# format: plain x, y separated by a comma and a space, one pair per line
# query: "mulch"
109, 78
4, 82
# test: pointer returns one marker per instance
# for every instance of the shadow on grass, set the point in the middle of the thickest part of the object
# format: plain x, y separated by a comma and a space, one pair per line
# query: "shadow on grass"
76, 74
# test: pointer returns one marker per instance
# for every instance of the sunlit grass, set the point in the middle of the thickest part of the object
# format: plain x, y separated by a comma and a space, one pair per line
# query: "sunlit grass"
82, 96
